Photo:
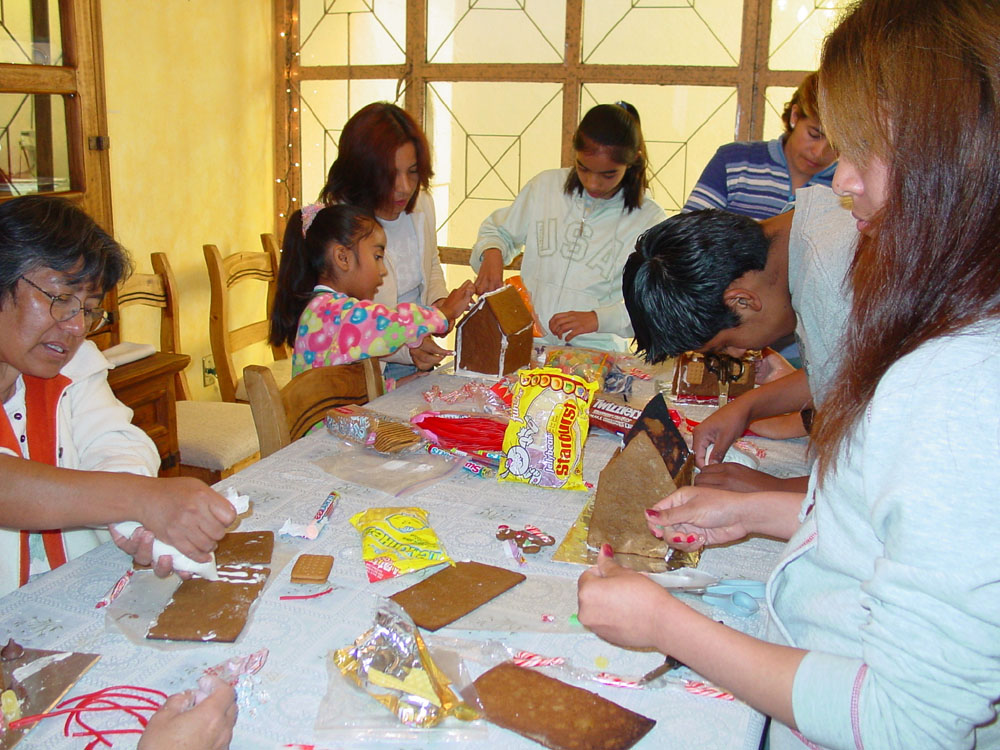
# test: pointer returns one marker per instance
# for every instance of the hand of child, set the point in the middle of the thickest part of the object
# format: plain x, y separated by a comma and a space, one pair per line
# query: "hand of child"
458, 301
427, 355
569, 325
490, 275
181, 724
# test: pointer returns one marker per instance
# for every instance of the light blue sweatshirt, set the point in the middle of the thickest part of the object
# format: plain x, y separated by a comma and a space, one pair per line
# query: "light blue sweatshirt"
892, 584
574, 249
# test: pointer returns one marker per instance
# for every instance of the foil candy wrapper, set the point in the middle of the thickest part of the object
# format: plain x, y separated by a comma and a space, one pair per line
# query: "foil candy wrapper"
352, 423
391, 663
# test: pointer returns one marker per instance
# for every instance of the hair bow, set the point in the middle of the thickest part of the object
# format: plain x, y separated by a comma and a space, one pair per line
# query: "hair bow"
308, 214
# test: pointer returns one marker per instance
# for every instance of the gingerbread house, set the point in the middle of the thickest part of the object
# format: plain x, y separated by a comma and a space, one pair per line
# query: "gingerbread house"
494, 337
712, 378
653, 462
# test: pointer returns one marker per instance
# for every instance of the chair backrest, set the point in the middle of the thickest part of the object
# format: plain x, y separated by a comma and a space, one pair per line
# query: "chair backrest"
224, 274
270, 244
286, 415
158, 289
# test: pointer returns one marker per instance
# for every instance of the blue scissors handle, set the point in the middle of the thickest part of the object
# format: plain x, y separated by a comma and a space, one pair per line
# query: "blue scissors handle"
732, 585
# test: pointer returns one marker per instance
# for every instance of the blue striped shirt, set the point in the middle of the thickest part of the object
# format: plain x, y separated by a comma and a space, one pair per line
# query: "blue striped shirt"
750, 179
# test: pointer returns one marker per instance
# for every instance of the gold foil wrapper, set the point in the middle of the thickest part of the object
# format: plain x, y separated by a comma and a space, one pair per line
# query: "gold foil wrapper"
391, 663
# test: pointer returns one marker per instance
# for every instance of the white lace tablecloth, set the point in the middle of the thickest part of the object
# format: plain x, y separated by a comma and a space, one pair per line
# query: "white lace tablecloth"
57, 610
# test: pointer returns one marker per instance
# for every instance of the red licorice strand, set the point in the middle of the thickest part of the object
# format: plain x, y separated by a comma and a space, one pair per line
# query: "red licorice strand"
305, 596
101, 700
107, 731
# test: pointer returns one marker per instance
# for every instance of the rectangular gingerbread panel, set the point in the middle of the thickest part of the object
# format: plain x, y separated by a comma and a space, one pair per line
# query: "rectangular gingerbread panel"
554, 714
250, 547
454, 592
202, 610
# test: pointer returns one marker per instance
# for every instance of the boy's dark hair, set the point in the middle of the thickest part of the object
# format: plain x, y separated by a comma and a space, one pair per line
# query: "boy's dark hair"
39, 231
615, 127
304, 259
674, 282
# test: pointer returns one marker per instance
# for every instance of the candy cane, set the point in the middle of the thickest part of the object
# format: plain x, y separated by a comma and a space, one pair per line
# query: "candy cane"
528, 659
709, 691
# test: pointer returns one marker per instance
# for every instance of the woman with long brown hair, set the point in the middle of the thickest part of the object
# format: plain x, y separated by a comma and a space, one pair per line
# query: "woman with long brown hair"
885, 606
383, 167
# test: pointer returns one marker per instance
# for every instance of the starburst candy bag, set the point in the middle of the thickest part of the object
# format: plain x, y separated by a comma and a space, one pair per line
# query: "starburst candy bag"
543, 443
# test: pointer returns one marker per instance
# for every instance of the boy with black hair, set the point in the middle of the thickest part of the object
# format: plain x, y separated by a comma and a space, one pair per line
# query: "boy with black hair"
712, 281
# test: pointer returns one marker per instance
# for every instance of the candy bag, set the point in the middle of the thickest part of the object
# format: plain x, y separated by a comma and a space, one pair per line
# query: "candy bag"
543, 443
592, 365
396, 541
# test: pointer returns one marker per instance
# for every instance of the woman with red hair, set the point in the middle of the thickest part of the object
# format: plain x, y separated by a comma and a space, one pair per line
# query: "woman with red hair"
383, 166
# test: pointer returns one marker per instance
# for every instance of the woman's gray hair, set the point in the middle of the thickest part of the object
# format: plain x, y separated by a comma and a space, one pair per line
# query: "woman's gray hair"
47, 232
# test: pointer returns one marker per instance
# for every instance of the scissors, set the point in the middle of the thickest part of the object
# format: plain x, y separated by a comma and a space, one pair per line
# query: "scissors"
737, 596
727, 369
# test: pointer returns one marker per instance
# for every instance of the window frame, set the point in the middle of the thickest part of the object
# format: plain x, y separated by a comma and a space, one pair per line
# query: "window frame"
80, 82
751, 78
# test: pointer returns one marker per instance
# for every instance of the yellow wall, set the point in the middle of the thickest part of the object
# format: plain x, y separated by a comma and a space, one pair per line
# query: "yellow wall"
190, 115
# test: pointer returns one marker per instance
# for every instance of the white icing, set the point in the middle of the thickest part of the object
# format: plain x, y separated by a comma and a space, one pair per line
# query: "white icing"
23, 673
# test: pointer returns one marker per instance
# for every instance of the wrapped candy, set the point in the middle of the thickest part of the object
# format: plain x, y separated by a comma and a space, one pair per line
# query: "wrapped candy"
543, 443
391, 663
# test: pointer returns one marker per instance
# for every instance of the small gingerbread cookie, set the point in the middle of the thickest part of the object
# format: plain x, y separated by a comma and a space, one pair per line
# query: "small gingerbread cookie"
312, 569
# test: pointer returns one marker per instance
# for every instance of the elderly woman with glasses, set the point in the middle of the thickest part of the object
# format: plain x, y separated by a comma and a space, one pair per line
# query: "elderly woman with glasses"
59, 413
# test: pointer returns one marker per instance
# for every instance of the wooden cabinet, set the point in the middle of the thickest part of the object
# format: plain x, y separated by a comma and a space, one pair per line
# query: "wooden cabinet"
147, 387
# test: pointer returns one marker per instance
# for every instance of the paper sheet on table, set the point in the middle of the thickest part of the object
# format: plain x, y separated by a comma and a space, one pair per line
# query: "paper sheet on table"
522, 608
397, 475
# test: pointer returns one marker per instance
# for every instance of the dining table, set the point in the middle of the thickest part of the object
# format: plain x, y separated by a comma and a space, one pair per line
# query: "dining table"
298, 698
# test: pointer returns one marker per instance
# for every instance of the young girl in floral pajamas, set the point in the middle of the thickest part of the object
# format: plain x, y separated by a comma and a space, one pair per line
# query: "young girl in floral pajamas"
331, 267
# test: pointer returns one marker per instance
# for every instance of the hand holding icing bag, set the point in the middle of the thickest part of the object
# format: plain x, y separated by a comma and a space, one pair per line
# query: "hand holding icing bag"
240, 503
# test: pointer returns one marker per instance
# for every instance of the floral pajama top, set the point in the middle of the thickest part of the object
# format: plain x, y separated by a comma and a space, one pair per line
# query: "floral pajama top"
336, 329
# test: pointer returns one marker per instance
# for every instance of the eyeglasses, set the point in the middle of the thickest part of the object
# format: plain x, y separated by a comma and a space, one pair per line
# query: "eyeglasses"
67, 306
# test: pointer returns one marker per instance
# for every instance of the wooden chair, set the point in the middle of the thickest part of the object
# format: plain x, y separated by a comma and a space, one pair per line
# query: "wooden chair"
286, 414
215, 438
224, 274
270, 244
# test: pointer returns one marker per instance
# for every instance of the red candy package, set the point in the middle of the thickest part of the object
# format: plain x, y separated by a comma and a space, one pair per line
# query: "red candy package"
468, 432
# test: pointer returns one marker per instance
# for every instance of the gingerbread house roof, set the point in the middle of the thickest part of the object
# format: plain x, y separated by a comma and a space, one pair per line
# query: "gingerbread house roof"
508, 308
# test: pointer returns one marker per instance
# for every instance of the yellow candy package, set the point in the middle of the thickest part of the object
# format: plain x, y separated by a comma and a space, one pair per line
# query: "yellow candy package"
543, 443
396, 541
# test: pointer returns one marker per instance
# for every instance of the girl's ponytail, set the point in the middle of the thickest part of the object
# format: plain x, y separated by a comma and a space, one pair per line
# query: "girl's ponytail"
297, 275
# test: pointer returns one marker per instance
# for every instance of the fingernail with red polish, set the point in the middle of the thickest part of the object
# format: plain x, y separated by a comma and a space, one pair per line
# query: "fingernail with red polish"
607, 551
691, 538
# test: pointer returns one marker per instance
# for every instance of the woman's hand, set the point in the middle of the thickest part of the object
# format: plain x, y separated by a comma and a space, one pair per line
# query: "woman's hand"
182, 725
620, 605
187, 514
569, 325
428, 355
693, 517
140, 547
721, 429
490, 274
457, 302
